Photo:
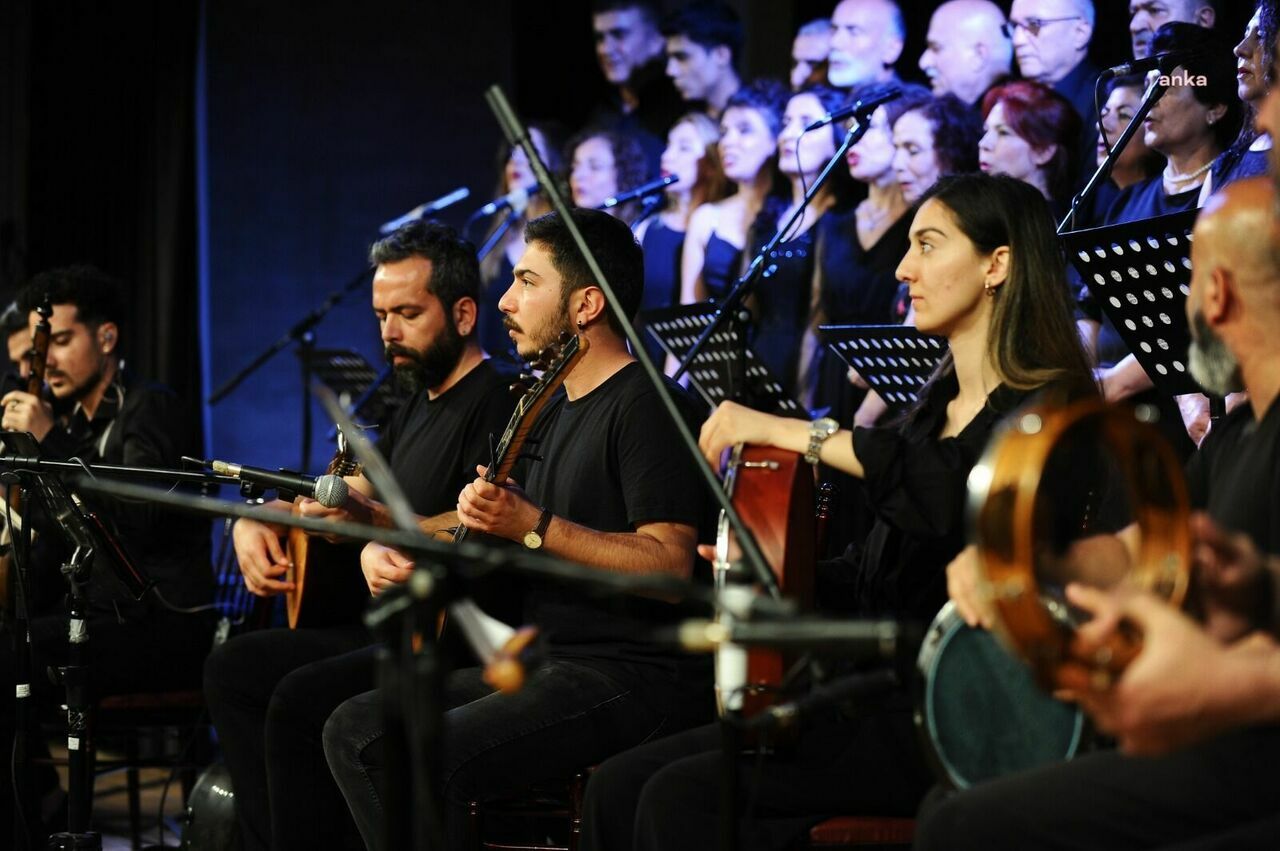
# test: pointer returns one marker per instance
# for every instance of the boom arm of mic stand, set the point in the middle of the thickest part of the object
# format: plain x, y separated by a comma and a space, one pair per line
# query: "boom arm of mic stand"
517, 134
293, 335
729, 306
1154, 93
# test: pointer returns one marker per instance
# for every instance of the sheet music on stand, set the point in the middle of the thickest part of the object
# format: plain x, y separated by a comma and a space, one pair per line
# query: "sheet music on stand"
676, 329
894, 360
349, 375
1140, 273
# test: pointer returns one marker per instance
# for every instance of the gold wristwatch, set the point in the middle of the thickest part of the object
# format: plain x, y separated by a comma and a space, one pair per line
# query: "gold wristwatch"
533, 538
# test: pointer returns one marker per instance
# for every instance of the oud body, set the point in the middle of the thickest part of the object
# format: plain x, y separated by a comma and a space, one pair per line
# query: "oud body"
326, 591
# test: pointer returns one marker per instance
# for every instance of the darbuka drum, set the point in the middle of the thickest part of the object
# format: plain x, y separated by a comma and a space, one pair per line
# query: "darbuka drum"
980, 714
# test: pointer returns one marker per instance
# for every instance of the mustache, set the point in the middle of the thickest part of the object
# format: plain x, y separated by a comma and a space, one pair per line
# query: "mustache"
511, 325
393, 349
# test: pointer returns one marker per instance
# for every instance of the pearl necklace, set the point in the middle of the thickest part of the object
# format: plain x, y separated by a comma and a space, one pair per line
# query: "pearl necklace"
1188, 177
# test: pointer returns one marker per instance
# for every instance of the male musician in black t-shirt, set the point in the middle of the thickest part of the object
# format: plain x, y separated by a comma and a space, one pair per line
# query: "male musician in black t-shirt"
98, 412
611, 491
270, 691
1197, 713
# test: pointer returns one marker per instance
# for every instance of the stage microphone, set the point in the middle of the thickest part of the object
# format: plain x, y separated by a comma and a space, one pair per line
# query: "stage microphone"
515, 200
650, 188
1162, 62
426, 209
855, 639
862, 107
328, 490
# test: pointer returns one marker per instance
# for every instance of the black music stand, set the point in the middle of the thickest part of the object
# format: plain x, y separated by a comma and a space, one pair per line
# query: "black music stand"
894, 360
726, 368
353, 380
1140, 273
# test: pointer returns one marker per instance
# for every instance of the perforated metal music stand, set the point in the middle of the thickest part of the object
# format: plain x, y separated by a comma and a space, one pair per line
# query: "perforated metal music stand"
1140, 272
349, 376
894, 360
726, 368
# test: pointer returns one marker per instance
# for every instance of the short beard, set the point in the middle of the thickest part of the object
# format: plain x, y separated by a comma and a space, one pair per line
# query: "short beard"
1212, 364
430, 367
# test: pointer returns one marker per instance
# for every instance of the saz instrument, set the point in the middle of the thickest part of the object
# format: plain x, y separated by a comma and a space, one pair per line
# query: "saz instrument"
325, 591
983, 711
556, 362
773, 492
10, 505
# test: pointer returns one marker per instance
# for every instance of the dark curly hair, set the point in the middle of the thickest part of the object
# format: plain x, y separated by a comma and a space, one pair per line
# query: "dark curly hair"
956, 131
96, 296
1042, 118
1268, 32
631, 167
766, 96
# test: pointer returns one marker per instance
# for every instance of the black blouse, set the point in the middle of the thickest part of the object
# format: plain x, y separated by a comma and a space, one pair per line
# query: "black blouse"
917, 487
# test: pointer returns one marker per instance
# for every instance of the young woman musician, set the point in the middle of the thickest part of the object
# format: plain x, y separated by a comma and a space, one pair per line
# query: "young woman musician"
984, 271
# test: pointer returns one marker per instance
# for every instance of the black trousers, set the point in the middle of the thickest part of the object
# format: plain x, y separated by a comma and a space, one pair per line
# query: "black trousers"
270, 693
1222, 794
160, 652
665, 794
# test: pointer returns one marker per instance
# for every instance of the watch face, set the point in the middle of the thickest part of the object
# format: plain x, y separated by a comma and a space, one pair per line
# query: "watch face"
532, 540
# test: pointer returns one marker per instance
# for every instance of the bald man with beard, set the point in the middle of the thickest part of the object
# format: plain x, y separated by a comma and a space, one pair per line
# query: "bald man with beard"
967, 50
1197, 713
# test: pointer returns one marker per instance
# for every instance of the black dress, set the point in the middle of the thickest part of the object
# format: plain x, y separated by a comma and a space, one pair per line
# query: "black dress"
782, 293
662, 248
856, 286
720, 264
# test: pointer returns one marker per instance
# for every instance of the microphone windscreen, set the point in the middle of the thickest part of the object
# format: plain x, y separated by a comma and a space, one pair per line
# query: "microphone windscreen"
331, 491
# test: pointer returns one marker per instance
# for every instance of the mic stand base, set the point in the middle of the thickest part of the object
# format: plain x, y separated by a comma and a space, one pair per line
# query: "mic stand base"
75, 679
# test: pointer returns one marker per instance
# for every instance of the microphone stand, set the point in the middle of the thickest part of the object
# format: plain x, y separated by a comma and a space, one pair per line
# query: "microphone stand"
39, 478
498, 233
732, 303
301, 333
1153, 94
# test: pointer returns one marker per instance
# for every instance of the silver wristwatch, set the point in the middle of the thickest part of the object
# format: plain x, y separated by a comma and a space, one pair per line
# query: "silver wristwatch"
819, 431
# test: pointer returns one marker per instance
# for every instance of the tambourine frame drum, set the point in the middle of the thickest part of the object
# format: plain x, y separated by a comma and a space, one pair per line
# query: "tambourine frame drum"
1007, 494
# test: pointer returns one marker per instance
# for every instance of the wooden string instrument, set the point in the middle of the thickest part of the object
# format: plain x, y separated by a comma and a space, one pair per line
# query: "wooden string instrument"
773, 491
325, 591
11, 504
556, 362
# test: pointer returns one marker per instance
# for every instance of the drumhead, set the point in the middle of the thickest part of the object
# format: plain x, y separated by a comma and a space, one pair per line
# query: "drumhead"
980, 714
210, 817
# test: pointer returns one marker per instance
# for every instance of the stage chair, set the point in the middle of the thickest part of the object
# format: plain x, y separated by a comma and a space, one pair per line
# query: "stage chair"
863, 832
558, 805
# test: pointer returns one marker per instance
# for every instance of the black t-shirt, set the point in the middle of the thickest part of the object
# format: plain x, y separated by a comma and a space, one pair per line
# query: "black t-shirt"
612, 463
434, 445
1235, 475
